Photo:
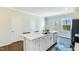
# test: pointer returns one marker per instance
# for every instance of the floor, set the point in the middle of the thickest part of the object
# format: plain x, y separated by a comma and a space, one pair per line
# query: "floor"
15, 46
18, 46
63, 44
58, 47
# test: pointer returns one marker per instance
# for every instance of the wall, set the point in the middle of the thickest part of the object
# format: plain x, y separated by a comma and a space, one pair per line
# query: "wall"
58, 19
33, 24
14, 23
61, 33
4, 26
76, 14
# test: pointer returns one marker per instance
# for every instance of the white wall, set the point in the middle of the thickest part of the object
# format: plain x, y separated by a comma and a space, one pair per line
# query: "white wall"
51, 21
14, 23
33, 24
60, 39
4, 26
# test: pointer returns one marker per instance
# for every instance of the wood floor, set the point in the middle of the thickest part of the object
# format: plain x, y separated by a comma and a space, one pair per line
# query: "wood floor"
15, 46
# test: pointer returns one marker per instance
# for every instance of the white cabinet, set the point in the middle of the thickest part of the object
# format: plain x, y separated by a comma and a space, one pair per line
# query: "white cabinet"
54, 38
40, 44
32, 45
48, 39
76, 46
36, 45
64, 41
43, 43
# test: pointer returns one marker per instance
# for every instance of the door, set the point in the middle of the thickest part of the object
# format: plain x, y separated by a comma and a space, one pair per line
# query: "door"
16, 28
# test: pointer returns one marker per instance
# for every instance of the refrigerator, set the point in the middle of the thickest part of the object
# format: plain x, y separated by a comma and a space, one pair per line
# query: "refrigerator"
75, 32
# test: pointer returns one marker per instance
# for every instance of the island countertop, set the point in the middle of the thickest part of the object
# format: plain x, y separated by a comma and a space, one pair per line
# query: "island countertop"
34, 35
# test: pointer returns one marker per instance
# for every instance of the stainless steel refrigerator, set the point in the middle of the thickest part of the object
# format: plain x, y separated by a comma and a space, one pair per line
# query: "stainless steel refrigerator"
75, 32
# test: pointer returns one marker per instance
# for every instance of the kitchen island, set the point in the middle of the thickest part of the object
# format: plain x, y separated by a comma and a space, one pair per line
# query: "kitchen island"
37, 41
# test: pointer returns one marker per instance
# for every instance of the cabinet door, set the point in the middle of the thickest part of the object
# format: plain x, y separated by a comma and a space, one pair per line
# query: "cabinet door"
48, 38
36, 45
54, 38
32, 45
64, 41
27, 44
43, 43
51, 39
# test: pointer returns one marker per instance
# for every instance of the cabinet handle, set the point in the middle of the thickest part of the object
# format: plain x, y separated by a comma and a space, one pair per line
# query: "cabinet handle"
12, 31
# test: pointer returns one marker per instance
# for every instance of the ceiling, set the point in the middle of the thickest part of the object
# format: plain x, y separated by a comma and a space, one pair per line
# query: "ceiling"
45, 11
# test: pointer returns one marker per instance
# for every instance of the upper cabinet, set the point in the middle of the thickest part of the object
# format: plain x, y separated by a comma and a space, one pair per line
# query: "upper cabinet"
66, 24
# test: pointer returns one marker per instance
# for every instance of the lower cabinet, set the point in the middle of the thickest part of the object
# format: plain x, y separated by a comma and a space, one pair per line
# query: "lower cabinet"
39, 44
36, 45
54, 38
43, 43
64, 41
49, 40
76, 47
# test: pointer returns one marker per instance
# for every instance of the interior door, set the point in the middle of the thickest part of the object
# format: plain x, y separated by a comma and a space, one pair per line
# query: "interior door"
16, 28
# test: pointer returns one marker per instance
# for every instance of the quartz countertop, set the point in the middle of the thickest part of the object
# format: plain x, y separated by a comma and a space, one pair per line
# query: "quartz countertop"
77, 35
76, 46
34, 35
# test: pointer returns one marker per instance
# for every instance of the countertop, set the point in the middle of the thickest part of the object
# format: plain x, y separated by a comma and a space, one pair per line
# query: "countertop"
76, 47
34, 35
